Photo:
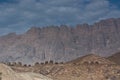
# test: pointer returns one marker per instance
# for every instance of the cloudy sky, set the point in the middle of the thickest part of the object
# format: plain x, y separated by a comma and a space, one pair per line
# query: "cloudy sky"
20, 15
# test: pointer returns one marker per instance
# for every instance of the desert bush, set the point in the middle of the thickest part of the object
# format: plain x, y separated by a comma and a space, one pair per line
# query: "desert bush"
51, 61
41, 63
61, 62
91, 63
96, 62
19, 64
29, 65
25, 65
36, 64
46, 62
9, 64
0, 76
56, 62
14, 64
86, 63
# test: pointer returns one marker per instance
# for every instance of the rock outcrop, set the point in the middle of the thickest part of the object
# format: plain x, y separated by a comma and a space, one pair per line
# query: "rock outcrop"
61, 44
115, 57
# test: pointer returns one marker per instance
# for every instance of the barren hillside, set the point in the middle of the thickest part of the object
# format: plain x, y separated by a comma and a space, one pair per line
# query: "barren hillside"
89, 67
6, 73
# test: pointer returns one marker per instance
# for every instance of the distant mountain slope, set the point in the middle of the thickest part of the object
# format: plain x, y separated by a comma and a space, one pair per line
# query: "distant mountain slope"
91, 59
115, 57
61, 44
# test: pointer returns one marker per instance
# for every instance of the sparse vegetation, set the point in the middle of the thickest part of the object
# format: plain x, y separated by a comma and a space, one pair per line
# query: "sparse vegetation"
41, 63
37, 63
25, 65
0, 76
9, 64
19, 64
86, 63
61, 62
29, 65
51, 61
56, 62
14, 64
46, 62
86, 68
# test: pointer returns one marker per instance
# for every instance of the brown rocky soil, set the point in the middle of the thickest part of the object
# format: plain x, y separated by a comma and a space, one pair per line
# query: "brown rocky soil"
6, 73
115, 57
90, 67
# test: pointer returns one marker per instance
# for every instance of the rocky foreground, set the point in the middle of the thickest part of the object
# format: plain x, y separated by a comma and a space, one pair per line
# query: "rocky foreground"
6, 73
90, 67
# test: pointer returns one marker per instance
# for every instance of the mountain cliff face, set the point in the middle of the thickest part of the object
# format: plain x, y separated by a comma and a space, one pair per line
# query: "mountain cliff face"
61, 44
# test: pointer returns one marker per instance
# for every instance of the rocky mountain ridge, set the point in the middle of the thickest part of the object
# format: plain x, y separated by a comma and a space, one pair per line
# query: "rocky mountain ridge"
62, 43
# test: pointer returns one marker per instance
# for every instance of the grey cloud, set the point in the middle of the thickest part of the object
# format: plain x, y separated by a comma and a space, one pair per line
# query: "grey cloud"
26, 13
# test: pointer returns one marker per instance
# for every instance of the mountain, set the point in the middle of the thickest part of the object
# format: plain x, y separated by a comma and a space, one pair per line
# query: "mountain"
115, 57
61, 43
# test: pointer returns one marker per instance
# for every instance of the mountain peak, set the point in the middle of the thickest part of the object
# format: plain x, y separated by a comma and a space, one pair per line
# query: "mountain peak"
33, 30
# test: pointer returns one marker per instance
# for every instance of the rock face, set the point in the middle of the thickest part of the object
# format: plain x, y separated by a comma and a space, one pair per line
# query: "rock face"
61, 44
8, 74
